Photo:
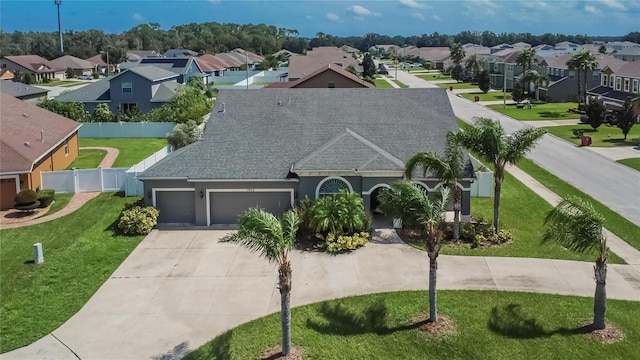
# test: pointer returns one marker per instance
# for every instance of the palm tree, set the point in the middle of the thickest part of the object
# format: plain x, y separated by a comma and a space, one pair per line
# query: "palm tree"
525, 58
449, 168
626, 118
262, 232
489, 140
574, 64
457, 53
405, 199
473, 65
589, 63
538, 79
576, 225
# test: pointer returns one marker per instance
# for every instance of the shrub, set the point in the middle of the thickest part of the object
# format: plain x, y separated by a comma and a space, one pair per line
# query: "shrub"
27, 200
502, 237
343, 242
303, 207
138, 220
96, 75
46, 80
338, 214
46, 197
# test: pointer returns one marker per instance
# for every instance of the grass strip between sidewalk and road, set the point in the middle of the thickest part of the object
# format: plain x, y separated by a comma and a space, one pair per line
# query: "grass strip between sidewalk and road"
81, 250
614, 222
633, 163
132, 150
382, 84
488, 325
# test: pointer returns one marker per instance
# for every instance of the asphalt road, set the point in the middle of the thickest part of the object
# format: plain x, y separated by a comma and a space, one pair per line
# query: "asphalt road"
615, 185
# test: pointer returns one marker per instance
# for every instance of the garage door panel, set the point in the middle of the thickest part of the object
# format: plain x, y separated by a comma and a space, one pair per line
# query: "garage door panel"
227, 206
7, 193
178, 207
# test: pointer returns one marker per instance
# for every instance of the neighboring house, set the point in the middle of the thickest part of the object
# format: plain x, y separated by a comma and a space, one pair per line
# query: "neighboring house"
39, 67
628, 54
100, 65
137, 55
437, 56
271, 148
503, 68
350, 50
79, 66
621, 45
184, 67
6, 74
619, 84
32, 140
563, 82
328, 76
180, 53
143, 87
212, 65
28, 93
284, 52
301, 66
386, 50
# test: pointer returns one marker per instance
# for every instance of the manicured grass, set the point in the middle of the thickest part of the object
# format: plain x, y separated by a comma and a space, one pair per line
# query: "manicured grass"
617, 224
62, 83
382, 84
632, 163
81, 250
61, 201
132, 151
459, 85
549, 111
434, 76
490, 96
399, 83
75, 83
88, 159
604, 136
489, 325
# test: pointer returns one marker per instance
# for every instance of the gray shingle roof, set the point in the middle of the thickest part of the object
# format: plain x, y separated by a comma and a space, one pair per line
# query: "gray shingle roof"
166, 91
97, 91
153, 72
19, 90
262, 134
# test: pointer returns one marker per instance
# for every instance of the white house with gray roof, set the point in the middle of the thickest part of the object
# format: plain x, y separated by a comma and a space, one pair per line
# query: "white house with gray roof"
272, 148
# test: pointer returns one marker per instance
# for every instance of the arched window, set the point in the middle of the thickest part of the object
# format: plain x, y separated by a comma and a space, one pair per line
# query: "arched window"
332, 185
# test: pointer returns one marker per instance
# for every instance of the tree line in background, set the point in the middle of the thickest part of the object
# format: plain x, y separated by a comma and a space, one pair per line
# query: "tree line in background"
212, 37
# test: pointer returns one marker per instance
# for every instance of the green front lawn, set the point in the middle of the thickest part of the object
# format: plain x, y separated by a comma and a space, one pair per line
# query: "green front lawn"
88, 159
490, 96
399, 83
61, 201
632, 163
81, 251
613, 221
75, 83
132, 151
382, 84
488, 325
549, 111
459, 85
434, 76
62, 83
604, 136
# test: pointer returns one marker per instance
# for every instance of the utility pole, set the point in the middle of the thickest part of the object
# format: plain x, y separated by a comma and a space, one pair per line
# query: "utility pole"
57, 2
504, 87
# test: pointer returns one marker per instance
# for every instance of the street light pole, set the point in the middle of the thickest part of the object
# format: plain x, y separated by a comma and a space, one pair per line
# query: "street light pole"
57, 2
504, 87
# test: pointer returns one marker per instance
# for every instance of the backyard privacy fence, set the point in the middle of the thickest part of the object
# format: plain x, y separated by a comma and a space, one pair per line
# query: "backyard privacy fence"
126, 130
91, 180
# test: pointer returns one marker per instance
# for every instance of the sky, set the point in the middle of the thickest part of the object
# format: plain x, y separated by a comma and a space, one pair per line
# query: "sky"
337, 17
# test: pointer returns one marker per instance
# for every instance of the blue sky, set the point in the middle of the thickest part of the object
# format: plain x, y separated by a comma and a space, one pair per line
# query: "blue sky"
340, 18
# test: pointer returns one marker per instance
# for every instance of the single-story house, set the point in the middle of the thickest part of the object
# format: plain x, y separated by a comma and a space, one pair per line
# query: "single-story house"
32, 140
29, 93
39, 67
274, 147
79, 66
100, 65
301, 66
328, 76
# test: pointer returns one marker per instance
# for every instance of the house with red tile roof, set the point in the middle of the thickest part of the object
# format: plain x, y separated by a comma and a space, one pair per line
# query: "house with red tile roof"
32, 140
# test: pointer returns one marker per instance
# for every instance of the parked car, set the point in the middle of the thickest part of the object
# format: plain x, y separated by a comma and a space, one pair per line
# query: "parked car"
85, 77
610, 117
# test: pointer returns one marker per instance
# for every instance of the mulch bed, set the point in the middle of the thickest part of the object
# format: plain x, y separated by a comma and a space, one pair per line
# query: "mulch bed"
414, 237
442, 328
276, 353
611, 334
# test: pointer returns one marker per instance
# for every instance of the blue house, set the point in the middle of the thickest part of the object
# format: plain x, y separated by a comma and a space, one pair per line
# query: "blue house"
185, 67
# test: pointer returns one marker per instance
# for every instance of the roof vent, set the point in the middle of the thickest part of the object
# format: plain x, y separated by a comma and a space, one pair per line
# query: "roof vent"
26, 143
25, 115
41, 136
279, 102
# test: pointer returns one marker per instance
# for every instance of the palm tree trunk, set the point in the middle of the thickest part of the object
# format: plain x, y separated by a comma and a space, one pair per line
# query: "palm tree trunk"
284, 279
456, 212
600, 298
579, 87
433, 278
496, 197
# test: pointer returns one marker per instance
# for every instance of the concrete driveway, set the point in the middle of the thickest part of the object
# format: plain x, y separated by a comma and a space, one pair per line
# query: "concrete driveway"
178, 289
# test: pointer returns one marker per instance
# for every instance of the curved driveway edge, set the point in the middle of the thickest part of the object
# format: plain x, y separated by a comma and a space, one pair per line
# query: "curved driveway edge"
178, 289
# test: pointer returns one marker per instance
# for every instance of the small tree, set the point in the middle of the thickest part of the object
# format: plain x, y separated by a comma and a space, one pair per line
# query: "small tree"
184, 134
626, 118
69, 73
602, 49
595, 111
72, 110
368, 66
101, 113
351, 69
517, 94
28, 78
484, 81
456, 72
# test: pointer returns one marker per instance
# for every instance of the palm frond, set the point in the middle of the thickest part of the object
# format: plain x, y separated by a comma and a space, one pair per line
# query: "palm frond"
521, 142
290, 222
260, 231
575, 224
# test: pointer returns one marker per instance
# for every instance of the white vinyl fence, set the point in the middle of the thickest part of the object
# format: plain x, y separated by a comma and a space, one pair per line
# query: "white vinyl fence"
91, 180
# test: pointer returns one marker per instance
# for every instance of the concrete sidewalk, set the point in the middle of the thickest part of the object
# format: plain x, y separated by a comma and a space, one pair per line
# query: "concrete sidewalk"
179, 289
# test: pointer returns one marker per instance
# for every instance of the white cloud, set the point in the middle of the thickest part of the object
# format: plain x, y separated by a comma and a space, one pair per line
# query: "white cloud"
412, 4
332, 17
480, 7
214, 1
437, 18
614, 4
418, 16
137, 17
359, 10
591, 9
308, 17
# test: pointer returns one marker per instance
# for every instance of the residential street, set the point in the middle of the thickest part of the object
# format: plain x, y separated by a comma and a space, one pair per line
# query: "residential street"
615, 185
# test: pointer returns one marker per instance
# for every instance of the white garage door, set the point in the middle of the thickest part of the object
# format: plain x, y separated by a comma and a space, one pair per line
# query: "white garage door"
225, 207
176, 207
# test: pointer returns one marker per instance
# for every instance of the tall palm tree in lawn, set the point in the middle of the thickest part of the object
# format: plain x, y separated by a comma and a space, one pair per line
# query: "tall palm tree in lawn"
406, 201
262, 232
473, 65
457, 53
490, 142
575, 225
574, 64
525, 58
449, 168
588, 63
538, 79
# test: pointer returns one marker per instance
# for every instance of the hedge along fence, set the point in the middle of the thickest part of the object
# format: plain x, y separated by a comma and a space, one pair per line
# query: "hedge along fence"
126, 130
